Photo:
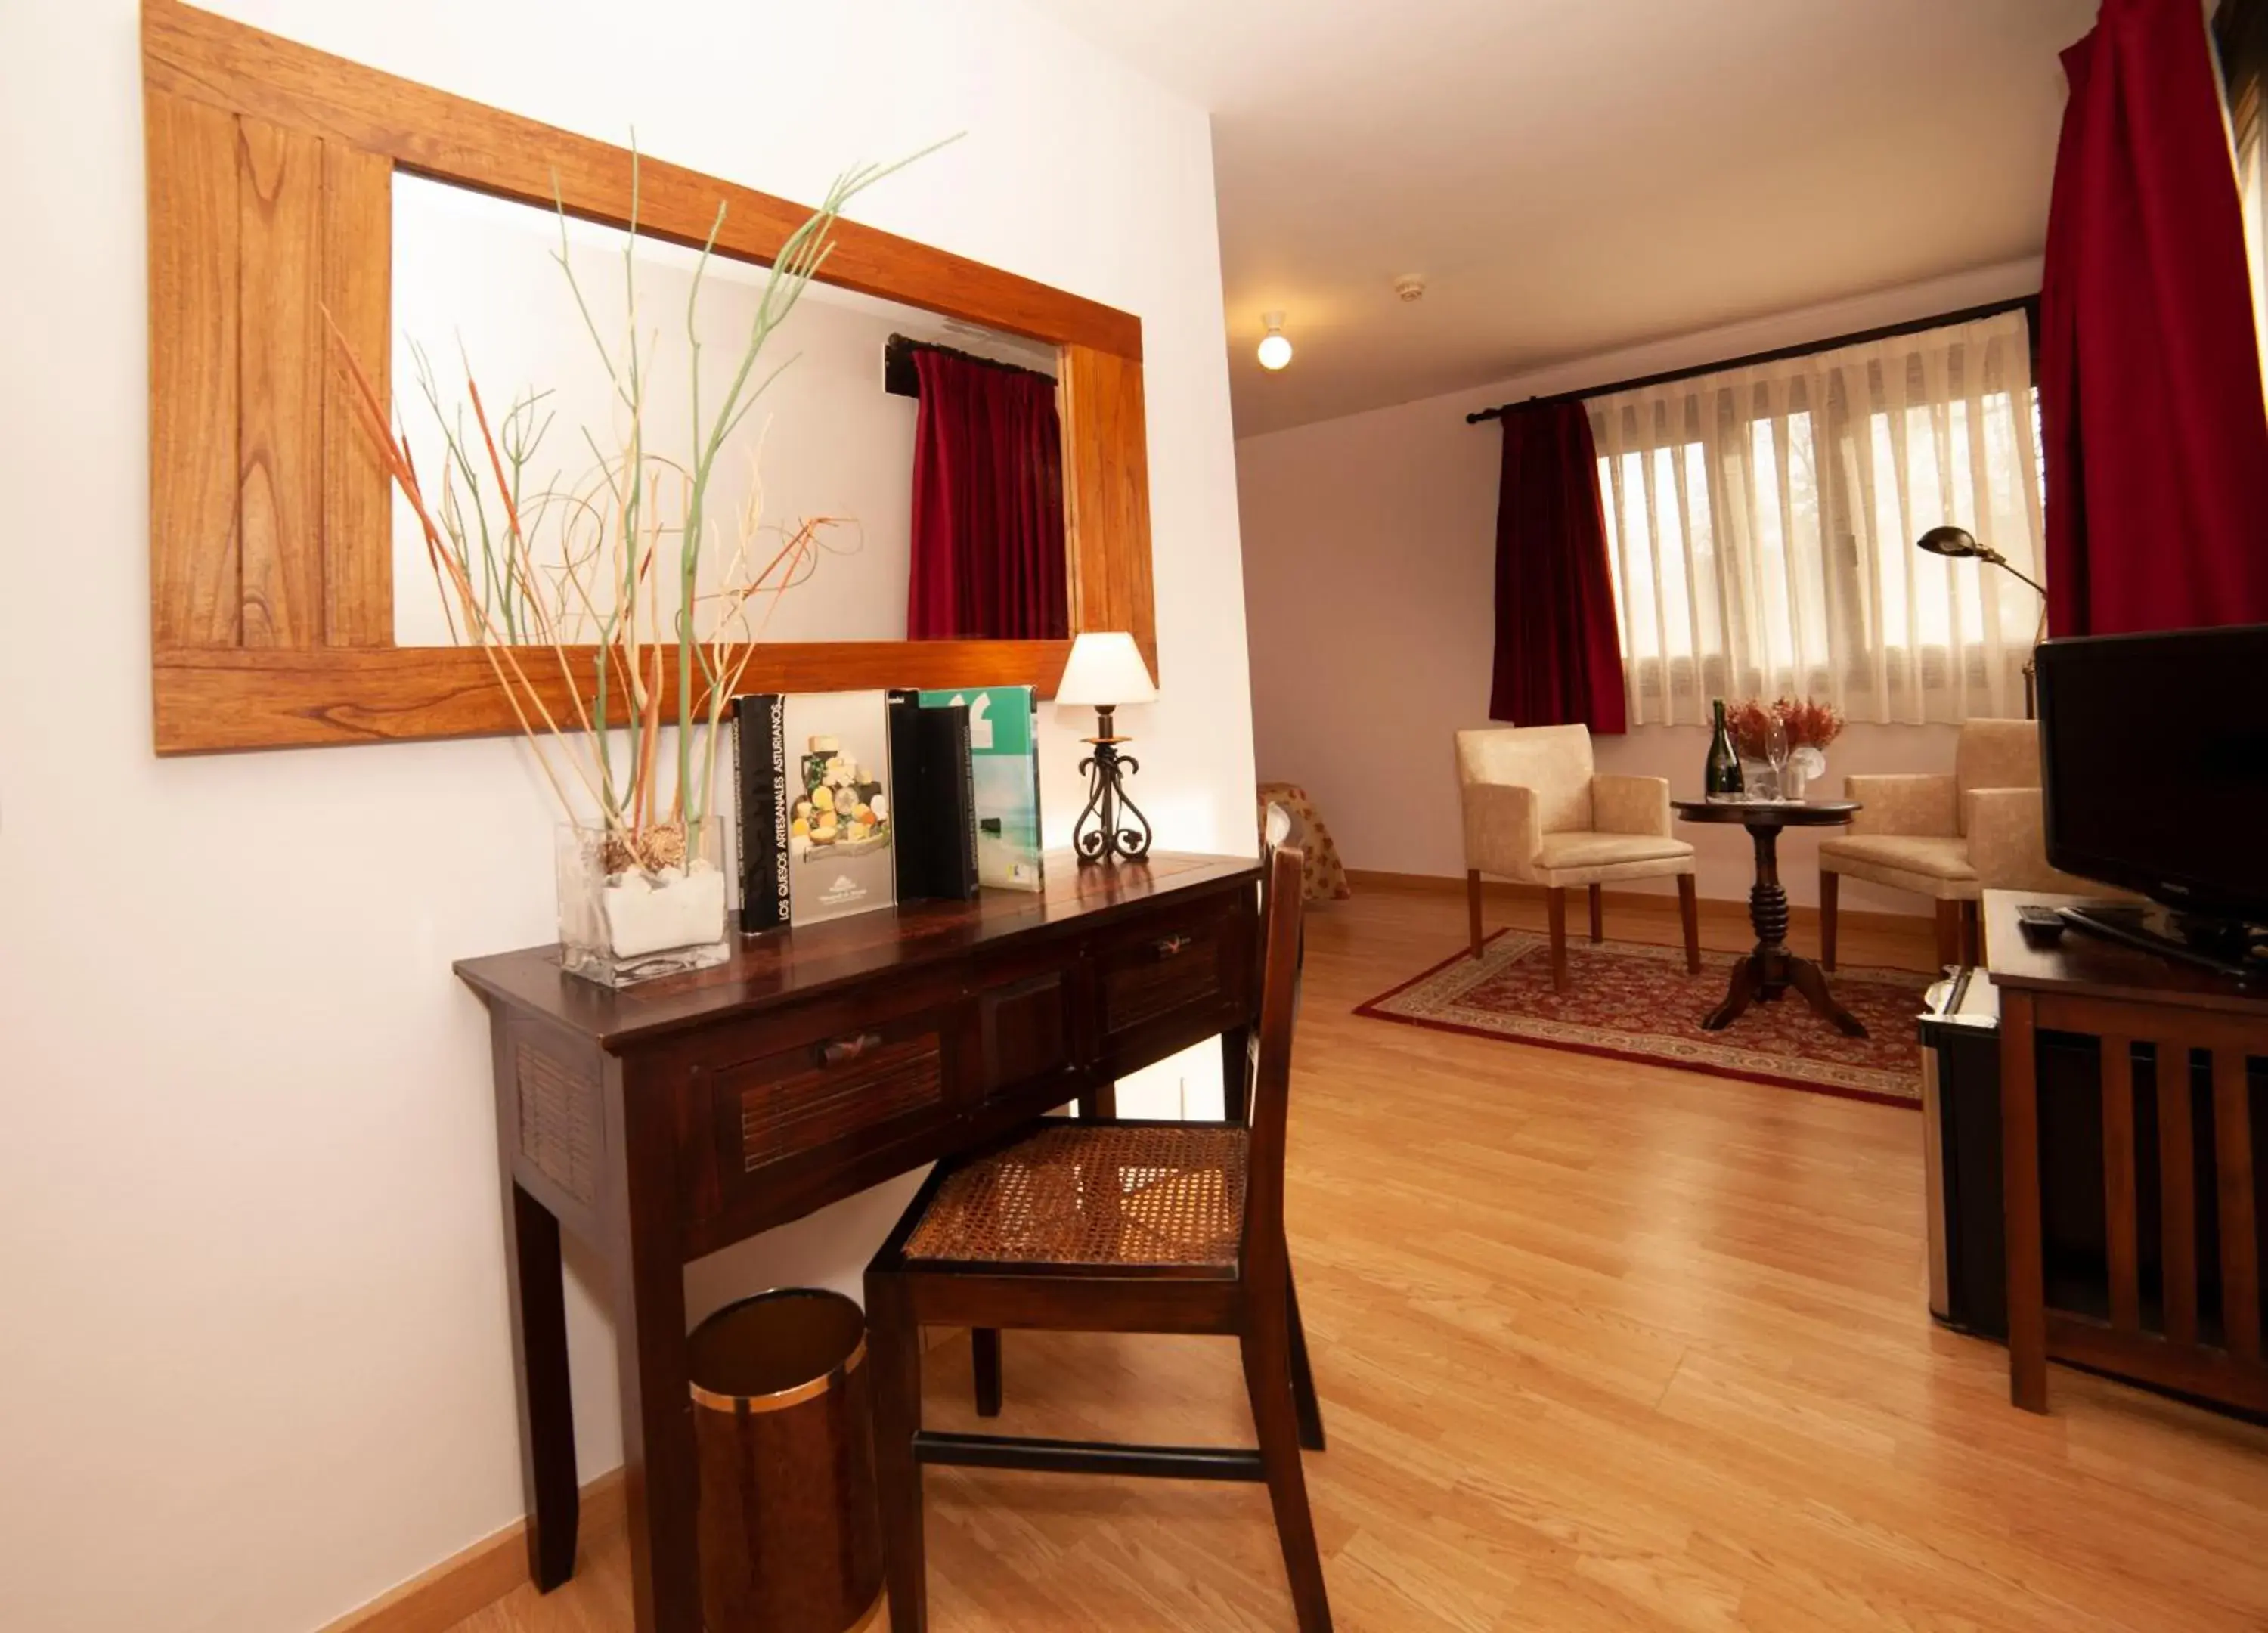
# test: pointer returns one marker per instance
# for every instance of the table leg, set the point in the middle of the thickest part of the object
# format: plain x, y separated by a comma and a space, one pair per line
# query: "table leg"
1738, 996
538, 1303
1099, 1102
661, 1479
1773, 966
1809, 979
1235, 1070
2020, 1188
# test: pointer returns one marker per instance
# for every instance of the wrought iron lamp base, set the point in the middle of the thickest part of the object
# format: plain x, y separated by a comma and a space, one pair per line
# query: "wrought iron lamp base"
1111, 828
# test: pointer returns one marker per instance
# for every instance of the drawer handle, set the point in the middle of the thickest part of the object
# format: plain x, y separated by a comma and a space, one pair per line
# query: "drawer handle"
836, 1051
1172, 947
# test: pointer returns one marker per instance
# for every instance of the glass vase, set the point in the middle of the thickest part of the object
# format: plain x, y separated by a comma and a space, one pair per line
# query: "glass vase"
635, 906
1804, 764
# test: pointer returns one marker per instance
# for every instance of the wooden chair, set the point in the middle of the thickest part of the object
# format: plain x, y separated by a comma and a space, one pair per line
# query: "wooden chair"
1096, 1225
1536, 810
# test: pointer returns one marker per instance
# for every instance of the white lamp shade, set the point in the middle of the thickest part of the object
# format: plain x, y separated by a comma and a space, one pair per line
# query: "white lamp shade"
1106, 669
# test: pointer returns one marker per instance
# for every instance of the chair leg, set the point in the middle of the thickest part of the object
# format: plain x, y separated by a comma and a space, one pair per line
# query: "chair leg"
893, 1357
985, 1352
1830, 886
1266, 1345
1688, 914
1598, 913
1473, 906
1303, 1376
1948, 932
1555, 908
1972, 934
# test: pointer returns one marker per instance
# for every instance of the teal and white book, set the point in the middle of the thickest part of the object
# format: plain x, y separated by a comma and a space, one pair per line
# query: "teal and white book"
1003, 756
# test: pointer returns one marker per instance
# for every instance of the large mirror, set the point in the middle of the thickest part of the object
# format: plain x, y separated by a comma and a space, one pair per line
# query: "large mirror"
277, 616
809, 517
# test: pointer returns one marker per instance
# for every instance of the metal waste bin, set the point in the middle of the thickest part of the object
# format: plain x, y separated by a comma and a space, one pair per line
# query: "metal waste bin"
1960, 1030
790, 1537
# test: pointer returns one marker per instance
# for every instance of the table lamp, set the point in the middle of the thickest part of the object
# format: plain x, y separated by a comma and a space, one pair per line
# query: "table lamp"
1106, 671
1958, 544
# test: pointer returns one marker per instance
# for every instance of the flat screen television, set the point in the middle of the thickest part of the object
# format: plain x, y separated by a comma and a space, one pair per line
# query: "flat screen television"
2153, 762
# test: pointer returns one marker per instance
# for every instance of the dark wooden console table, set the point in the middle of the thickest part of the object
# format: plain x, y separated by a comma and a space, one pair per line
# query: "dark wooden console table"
664, 1122
1773, 966
2169, 1334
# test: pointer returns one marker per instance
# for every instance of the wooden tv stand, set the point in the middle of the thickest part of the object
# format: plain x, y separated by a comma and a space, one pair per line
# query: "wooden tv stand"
2124, 997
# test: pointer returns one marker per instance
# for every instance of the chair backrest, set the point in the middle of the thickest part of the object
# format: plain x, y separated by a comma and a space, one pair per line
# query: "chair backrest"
1555, 761
1993, 753
1271, 1075
1279, 826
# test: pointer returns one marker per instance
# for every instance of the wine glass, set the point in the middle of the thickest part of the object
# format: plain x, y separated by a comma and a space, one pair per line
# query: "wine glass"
1776, 749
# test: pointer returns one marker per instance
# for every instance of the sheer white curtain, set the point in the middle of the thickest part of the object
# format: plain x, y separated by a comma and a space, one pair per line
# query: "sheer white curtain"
1761, 523
2251, 133
2240, 36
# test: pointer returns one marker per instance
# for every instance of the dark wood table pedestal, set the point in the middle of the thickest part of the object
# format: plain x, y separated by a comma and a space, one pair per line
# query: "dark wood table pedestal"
1773, 966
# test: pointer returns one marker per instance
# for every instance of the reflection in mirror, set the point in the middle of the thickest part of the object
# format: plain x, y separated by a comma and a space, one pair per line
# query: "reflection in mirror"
928, 506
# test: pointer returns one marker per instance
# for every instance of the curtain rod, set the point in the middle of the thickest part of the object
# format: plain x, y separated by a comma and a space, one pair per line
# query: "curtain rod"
2028, 304
900, 380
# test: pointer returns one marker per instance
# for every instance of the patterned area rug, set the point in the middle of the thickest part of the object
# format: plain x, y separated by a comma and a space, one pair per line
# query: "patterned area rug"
1636, 1001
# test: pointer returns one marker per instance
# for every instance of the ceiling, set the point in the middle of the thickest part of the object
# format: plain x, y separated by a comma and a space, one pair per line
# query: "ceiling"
1574, 176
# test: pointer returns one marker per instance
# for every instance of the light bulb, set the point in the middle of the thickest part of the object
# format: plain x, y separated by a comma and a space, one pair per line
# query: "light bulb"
1275, 351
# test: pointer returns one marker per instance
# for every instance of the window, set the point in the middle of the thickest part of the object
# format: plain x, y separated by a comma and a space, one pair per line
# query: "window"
2241, 30
1761, 521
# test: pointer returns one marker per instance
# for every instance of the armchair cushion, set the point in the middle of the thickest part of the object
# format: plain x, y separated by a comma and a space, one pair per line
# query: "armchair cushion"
1502, 829
1631, 805
1911, 804
1598, 856
1929, 865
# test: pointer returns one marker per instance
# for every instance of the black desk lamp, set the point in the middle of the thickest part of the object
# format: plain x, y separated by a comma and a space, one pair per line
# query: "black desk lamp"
1958, 544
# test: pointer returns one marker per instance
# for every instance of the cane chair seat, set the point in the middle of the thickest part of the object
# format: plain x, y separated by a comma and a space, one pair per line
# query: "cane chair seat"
1095, 1194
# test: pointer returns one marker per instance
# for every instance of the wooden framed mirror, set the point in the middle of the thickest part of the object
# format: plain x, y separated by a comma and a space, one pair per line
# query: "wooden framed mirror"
271, 176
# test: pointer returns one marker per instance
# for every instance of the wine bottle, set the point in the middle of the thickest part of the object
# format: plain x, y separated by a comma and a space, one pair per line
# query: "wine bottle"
1722, 779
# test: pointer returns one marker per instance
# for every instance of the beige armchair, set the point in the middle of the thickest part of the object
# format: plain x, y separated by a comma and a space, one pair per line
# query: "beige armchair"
1538, 812
1950, 838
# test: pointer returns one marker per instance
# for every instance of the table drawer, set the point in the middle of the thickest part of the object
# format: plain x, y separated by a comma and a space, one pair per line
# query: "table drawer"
1189, 965
807, 1098
848, 1076
1026, 1029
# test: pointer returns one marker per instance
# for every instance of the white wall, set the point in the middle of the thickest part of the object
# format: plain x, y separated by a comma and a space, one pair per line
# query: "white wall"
254, 1366
1369, 562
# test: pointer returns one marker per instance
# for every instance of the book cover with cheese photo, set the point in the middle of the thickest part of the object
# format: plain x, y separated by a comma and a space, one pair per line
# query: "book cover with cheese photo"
840, 828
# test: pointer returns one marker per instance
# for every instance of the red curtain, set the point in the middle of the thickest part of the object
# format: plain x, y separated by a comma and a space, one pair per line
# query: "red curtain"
2150, 392
988, 541
1559, 661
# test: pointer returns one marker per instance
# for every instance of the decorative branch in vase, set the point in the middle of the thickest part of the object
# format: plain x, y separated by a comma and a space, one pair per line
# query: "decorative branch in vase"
1805, 727
596, 589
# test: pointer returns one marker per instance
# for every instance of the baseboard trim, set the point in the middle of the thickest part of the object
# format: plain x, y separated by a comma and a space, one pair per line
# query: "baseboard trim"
1511, 890
437, 1599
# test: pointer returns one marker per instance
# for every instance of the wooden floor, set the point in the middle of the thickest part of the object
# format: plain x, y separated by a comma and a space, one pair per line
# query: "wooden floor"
1599, 1346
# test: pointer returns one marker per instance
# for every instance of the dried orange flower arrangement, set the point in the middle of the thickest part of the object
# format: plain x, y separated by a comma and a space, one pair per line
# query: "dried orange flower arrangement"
1809, 724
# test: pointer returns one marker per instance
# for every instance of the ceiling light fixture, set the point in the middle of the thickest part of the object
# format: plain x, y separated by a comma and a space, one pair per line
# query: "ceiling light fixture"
1409, 286
1275, 351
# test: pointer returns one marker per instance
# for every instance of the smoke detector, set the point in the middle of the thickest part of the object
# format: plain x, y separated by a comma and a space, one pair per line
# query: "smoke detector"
1410, 287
